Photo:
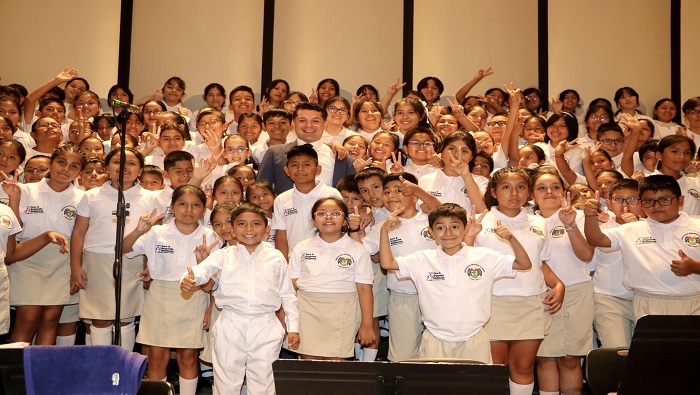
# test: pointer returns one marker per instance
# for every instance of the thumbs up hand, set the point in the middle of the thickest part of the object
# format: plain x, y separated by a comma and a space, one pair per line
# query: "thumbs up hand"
187, 282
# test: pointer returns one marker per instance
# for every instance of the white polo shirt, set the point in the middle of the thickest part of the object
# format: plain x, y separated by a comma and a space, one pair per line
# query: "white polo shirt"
41, 209
451, 189
418, 170
690, 188
326, 159
327, 138
563, 261
169, 252
531, 232
9, 225
412, 236
454, 292
648, 247
607, 278
292, 212
572, 156
251, 284
334, 267
97, 204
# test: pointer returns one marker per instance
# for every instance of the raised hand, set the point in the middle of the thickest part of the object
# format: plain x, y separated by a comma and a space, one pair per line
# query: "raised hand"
354, 219
631, 122
474, 226
313, 97
457, 109
10, 186
187, 282
393, 222
263, 106
407, 188
685, 265
395, 87
628, 217
556, 104
567, 214
483, 73
146, 221
202, 251
396, 166
361, 164
502, 231
67, 74
460, 167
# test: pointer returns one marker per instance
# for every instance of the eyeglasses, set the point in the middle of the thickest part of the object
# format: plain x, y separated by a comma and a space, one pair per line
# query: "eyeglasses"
611, 141
532, 97
602, 118
53, 125
497, 123
341, 111
664, 201
152, 112
86, 104
213, 122
694, 111
326, 214
420, 144
632, 201
293, 102
35, 170
239, 150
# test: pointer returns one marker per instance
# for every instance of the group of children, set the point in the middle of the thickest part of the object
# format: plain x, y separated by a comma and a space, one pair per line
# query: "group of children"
499, 228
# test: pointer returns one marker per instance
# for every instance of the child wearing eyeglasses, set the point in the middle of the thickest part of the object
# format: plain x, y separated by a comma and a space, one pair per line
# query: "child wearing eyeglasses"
661, 264
613, 319
420, 145
338, 109
332, 274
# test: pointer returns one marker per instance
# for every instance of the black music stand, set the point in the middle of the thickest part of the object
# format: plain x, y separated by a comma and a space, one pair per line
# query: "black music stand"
293, 377
664, 356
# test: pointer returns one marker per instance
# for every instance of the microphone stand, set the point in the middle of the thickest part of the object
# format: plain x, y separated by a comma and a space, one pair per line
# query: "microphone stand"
121, 212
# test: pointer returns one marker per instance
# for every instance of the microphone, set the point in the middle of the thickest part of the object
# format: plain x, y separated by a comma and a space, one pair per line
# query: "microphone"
123, 104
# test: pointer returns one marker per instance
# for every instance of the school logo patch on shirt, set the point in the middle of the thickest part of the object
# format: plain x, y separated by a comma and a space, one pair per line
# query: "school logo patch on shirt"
5, 201
536, 230
694, 193
475, 272
645, 240
436, 193
69, 212
394, 241
34, 210
434, 276
163, 249
307, 256
6, 221
488, 231
426, 234
558, 232
344, 261
691, 239
290, 211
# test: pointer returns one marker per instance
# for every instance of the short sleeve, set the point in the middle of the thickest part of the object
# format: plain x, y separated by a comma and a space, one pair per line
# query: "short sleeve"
278, 222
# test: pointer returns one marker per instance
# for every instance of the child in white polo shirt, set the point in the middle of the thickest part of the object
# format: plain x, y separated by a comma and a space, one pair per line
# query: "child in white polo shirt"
660, 256
454, 282
289, 218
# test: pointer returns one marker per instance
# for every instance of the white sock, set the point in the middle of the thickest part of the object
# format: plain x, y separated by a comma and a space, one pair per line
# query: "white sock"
548, 393
65, 340
358, 351
188, 386
128, 336
101, 336
520, 389
369, 354
88, 342
206, 370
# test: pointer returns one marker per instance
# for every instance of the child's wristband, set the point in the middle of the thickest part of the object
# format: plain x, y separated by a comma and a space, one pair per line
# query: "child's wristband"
353, 230
570, 226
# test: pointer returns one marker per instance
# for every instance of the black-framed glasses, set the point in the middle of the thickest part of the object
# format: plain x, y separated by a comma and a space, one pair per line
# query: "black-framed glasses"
664, 201
341, 111
419, 144
632, 201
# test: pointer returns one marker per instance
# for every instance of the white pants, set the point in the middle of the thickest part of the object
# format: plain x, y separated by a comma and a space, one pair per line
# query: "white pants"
245, 346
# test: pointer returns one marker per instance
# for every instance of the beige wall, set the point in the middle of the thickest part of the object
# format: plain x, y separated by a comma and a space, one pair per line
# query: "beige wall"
356, 42
362, 43
598, 46
690, 51
472, 35
43, 41
172, 37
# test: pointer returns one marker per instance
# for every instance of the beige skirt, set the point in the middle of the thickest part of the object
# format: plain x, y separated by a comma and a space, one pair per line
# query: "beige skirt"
49, 271
380, 292
572, 326
205, 355
4, 300
97, 299
328, 323
173, 318
517, 318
